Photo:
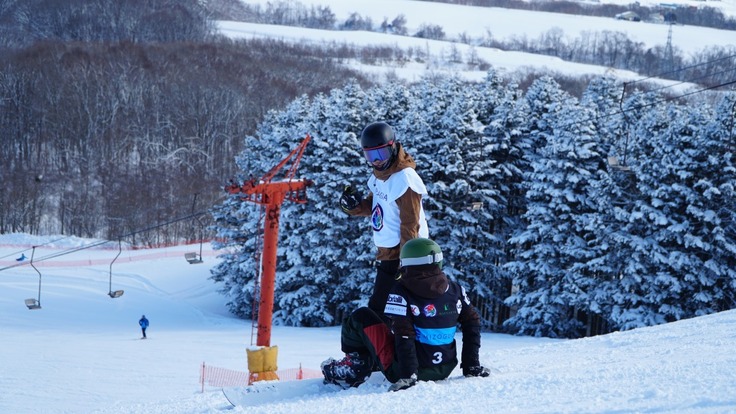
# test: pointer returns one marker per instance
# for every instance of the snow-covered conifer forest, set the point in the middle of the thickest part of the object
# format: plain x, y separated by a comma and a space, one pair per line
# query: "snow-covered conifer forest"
593, 216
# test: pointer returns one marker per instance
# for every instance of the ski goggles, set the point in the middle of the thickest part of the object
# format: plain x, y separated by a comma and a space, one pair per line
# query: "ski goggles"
417, 261
381, 153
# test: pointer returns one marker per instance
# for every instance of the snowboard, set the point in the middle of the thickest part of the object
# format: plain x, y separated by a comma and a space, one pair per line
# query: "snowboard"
267, 392
264, 392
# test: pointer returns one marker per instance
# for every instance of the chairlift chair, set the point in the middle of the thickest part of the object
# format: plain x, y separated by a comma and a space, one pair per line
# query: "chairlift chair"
613, 162
33, 303
115, 293
193, 257
475, 205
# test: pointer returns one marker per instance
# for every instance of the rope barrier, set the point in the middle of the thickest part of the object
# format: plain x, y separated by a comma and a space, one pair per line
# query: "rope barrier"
224, 377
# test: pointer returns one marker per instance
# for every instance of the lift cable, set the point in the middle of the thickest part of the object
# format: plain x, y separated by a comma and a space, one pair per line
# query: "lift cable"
663, 74
38, 245
101, 242
650, 104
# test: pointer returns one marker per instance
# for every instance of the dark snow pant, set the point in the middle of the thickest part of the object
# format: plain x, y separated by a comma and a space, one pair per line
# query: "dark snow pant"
366, 333
144, 332
385, 280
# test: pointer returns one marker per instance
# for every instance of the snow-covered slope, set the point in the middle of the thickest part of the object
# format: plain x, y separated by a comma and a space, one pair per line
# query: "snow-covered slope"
81, 352
480, 23
504, 24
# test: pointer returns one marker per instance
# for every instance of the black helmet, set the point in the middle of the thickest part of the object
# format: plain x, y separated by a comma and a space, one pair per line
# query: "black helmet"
379, 145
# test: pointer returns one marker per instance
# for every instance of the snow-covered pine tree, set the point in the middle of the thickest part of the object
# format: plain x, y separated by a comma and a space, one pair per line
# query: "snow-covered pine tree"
492, 157
538, 108
239, 223
508, 147
550, 270
687, 171
324, 277
611, 194
618, 298
718, 189
432, 137
700, 260
651, 290
237, 269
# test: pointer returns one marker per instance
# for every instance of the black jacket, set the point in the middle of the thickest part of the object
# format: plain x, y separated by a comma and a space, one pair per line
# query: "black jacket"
425, 309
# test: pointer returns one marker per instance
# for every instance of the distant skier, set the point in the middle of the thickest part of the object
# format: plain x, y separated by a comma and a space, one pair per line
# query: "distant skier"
143, 322
425, 308
394, 204
21, 258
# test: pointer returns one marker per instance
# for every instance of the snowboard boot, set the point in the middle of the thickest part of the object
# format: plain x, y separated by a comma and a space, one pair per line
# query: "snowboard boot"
350, 371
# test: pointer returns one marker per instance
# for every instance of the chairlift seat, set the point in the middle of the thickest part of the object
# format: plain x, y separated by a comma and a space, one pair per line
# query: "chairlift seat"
193, 258
475, 205
613, 162
116, 293
33, 303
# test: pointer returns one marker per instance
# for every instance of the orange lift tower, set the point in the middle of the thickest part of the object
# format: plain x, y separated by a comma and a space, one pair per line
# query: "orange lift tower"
270, 194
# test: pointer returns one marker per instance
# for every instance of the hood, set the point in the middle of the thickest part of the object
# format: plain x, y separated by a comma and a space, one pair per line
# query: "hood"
427, 281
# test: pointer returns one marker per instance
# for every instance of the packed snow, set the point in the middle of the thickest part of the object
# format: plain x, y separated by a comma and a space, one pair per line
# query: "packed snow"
82, 352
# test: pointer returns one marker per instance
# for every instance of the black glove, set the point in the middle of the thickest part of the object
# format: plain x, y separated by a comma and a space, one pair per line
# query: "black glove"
476, 371
404, 383
350, 199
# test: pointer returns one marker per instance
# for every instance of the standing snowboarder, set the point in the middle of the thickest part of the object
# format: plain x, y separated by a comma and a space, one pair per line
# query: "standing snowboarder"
143, 322
394, 204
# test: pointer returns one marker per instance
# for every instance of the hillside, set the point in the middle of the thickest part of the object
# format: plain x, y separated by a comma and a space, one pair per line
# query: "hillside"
469, 29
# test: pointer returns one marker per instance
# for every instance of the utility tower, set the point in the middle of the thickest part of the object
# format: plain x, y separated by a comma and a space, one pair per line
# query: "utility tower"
668, 63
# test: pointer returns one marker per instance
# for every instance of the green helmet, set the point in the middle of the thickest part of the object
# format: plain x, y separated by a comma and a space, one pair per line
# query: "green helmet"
421, 251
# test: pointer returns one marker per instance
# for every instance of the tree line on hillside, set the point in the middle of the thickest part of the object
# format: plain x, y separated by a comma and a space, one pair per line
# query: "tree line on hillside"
24, 22
705, 16
294, 13
110, 126
562, 216
709, 66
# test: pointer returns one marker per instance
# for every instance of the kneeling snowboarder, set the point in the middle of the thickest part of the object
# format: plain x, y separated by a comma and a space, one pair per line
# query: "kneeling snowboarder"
424, 309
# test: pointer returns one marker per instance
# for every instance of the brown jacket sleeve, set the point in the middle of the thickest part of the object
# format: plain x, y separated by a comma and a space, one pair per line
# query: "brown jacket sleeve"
409, 205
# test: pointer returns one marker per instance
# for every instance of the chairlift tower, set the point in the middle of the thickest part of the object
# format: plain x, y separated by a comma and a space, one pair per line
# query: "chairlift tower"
271, 194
